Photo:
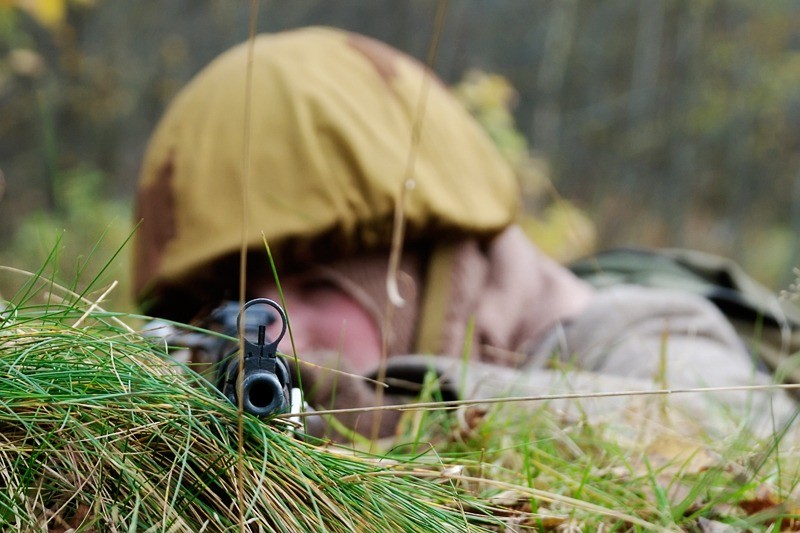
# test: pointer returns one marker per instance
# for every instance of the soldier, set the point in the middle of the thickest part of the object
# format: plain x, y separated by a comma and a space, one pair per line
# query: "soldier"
316, 163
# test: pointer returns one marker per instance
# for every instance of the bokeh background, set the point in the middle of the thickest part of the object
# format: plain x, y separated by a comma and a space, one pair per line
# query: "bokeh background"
648, 123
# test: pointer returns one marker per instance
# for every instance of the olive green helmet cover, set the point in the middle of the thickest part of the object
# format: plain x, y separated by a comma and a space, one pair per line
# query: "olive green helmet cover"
316, 170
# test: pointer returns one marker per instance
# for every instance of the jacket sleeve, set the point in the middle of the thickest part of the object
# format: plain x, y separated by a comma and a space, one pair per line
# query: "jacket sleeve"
673, 337
670, 339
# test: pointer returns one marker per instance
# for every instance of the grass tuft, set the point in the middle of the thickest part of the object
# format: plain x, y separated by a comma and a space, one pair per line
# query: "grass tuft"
98, 432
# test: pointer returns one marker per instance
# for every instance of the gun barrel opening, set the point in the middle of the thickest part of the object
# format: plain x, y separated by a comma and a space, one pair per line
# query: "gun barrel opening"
262, 394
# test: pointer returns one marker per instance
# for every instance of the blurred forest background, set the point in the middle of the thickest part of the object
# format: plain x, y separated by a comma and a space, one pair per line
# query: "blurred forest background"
664, 122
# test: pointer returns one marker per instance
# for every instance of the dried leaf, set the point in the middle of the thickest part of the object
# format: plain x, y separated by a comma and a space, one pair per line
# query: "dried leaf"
765, 498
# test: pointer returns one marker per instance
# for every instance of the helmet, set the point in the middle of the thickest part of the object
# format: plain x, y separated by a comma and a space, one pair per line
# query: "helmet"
335, 123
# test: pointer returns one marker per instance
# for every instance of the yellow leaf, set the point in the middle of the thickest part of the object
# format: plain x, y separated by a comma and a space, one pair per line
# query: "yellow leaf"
562, 231
48, 13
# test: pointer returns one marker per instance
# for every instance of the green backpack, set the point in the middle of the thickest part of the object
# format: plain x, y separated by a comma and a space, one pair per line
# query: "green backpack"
768, 324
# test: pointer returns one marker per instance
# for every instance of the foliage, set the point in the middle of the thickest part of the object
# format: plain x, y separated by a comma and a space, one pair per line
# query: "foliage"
551, 473
556, 225
490, 98
82, 221
48, 13
101, 433
668, 122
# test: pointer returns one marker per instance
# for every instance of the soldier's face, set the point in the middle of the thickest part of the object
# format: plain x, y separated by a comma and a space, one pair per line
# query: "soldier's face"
323, 318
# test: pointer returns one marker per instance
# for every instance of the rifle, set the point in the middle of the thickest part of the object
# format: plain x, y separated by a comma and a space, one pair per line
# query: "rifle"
266, 382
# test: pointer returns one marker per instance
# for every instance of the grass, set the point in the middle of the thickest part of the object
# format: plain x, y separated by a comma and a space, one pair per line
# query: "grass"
99, 432
584, 475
